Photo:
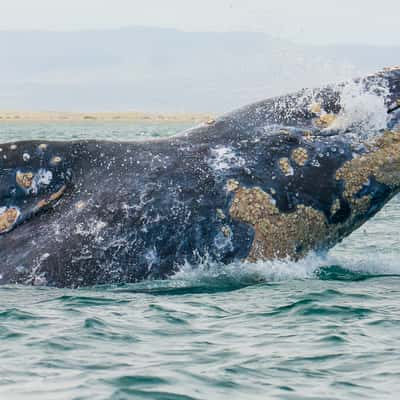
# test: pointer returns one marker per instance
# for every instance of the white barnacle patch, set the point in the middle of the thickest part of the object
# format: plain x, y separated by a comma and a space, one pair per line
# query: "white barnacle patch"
24, 180
26, 157
55, 160
220, 214
315, 108
325, 120
80, 205
8, 218
300, 156
315, 163
226, 230
42, 178
13, 147
285, 166
42, 146
232, 185
335, 206
224, 158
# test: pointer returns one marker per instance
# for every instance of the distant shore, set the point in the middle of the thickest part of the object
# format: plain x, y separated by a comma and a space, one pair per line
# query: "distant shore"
133, 116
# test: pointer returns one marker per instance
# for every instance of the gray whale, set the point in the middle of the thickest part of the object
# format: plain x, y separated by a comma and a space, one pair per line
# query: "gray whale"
275, 179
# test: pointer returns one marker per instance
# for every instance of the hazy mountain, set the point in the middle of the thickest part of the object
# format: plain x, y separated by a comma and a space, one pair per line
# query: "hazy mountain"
155, 69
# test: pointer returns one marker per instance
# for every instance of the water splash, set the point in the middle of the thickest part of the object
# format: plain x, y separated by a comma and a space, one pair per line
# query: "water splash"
379, 265
314, 266
261, 271
363, 109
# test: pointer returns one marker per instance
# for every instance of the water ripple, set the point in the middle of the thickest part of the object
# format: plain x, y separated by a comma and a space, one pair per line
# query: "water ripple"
322, 328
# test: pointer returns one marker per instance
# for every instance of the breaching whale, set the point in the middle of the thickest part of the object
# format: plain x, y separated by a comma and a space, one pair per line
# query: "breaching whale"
274, 179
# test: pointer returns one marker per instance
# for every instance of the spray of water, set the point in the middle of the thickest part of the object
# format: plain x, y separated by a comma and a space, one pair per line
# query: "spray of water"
363, 109
209, 274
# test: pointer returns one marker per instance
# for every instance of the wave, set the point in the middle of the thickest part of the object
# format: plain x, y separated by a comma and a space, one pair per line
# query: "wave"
209, 277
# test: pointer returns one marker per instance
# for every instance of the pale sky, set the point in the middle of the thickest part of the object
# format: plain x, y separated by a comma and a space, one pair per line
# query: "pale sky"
309, 21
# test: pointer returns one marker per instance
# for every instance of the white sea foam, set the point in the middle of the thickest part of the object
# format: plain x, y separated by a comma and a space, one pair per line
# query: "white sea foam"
261, 271
244, 273
379, 264
363, 110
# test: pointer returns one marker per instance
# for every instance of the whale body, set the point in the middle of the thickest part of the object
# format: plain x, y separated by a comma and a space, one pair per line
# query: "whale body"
275, 179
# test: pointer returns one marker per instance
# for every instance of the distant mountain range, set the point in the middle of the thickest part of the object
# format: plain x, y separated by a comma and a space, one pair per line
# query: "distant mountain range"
151, 69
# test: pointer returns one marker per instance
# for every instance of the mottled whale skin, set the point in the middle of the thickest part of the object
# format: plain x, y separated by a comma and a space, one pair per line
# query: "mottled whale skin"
274, 179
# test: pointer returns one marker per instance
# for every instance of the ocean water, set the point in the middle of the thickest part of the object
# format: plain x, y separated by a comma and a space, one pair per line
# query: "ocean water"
322, 328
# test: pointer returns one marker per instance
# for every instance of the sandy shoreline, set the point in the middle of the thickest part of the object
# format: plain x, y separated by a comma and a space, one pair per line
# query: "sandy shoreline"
133, 116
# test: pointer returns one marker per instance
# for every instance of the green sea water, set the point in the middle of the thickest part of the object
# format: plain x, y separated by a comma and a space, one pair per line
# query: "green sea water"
322, 328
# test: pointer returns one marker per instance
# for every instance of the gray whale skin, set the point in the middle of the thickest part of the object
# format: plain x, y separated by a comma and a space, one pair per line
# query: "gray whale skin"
275, 179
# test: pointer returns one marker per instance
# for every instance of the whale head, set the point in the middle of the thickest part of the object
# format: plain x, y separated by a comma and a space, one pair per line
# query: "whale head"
364, 116
327, 161
377, 161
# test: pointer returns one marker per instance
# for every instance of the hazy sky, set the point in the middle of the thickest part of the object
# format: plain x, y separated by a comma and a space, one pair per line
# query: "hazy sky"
310, 21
